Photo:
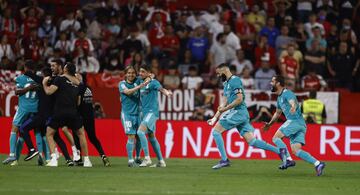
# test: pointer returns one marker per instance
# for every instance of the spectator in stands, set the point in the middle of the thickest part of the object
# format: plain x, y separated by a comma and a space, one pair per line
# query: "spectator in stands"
344, 37
232, 41
113, 26
300, 36
247, 34
183, 32
194, 20
313, 81
332, 39
131, 44
211, 16
309, 26
322, 20
198, 45
31, 46
64, 45
219, 52
70, 25
156, 33
156, 70
130, 12
283, 40
315, 58
289, 68
304, 9
264, 48
256, 18
281, 9
29, 22
141, 35
6, 64
170, 43
313, 110
298, 56
193, 80
87, 64
108, 8
347, 27
172, 79
32, 4
48, 29
264, 74
82, 45
158, 14
342, 65
246, 78
240, 63
56, 55
96, 29
137, 60
270, 31
45, 50
113, 66
186, 63
9, 26
316, 36
5, 49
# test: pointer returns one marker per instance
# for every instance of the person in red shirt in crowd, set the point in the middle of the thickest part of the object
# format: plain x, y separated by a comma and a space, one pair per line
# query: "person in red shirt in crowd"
262, 48
170, 42
156, 33
158, 11
9, 26
322, 20
247, 34
313, 81
30, 21
289, 68
81, 45
32, 45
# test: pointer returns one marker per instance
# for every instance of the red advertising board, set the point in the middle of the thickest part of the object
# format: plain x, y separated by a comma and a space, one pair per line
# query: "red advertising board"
183, 139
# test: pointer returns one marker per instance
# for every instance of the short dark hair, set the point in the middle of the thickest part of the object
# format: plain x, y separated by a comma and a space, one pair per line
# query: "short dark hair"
192, 68
219, 36
46, 71
312, 94
29, 64
59, 62
145, 67
222, 65
280, 79
71, 68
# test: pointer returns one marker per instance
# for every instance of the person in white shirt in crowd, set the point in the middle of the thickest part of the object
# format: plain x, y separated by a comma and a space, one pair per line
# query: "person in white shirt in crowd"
309, 26
264, 74
240, 62
246, 78
232, 41
48, 29
193, 80
210, 16
70, 25
63, 44
88, 64
219, 52
194, 20
5, 49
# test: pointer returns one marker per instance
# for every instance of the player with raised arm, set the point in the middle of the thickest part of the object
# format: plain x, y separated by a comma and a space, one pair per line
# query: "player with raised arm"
150, 114
234, 114
294, 128
130, 112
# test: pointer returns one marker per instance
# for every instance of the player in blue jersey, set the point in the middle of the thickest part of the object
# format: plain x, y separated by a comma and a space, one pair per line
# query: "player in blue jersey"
234, 114
130, 100
294, 128
27, 106
150, 114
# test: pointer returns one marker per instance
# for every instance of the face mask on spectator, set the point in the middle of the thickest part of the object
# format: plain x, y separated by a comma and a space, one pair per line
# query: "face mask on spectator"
48, 22
114, 62
346, 27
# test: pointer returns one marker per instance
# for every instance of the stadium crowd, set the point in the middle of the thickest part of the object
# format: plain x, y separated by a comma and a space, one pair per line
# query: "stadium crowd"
313, 43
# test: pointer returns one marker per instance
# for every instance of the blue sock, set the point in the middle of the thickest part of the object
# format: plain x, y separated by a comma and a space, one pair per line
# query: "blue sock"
19, 147
156, 146
137, 147
144, 142
130, 148
280, 144
305, 156
220, 144
12, 143
46, 148
39, 141
263, 145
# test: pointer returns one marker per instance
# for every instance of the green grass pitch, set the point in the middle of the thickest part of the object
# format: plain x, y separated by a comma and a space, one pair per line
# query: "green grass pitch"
182, 176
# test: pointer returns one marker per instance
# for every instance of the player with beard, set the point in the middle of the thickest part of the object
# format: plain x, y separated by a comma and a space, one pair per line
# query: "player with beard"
66, 89
294, 128
235, 115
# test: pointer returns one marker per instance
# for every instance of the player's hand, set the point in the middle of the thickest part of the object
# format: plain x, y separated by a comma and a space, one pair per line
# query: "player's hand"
212, 121
266, 127
146, 82
45, 80
169, 94
33, 87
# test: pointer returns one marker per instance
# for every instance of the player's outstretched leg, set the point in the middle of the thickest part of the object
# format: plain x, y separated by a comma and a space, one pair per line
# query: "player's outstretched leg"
216, 132
156, 147
144, 144
284, 154
319, 166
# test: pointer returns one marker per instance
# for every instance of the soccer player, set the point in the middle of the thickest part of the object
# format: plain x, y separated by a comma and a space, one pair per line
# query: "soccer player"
86, 111
150, 113
235, 115
66, 89
294, 128
130, 99
28, 105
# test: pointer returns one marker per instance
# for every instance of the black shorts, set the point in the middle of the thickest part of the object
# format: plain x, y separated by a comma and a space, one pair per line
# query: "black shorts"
73, 122
37, 122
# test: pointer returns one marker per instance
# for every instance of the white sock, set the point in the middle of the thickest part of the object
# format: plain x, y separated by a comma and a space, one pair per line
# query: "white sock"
289, 158
12, 154
53, 156
317, 163
86, 158
162, 161
147, 157
131, 160
74, 149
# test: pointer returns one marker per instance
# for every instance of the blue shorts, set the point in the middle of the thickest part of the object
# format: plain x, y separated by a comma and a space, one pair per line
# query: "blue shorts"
130, 123
149, 121
20, 117
236, 119
294, 130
